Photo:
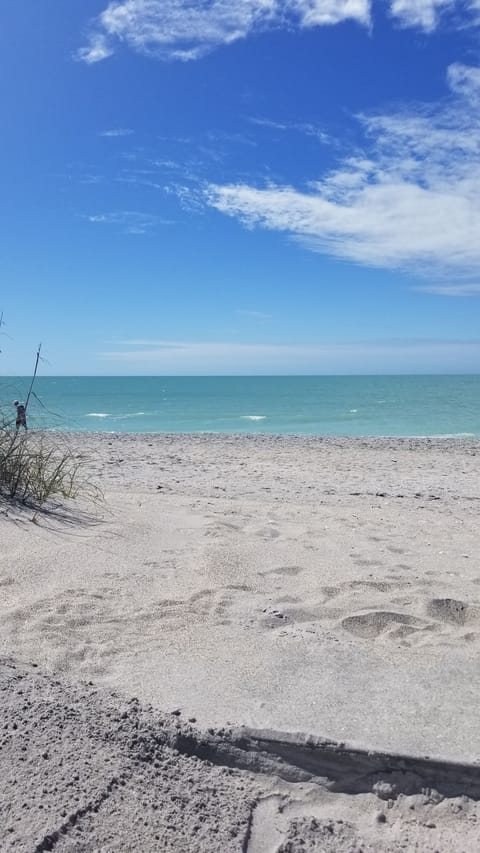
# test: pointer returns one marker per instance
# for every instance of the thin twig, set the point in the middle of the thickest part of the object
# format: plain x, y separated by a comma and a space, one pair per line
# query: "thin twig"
33, 377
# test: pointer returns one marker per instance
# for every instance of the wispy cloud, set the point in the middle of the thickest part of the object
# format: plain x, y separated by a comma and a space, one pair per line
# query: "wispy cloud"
267, 122
117, 131
189, 29
304, 127
80, 173
465, 80
98, 48
423, 14
254, 315
220, 357
191, 198
451, 289
130, 221
410, 201
140, 177
222, 136
427, 15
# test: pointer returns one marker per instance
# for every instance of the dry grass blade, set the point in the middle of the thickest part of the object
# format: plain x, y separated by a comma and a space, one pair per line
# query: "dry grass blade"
36, 469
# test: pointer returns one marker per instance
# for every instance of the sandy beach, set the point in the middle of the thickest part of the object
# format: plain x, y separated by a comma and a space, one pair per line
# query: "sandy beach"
304, 611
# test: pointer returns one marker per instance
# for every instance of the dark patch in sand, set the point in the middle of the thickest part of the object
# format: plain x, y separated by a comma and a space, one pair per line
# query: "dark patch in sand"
374, 623
449, 610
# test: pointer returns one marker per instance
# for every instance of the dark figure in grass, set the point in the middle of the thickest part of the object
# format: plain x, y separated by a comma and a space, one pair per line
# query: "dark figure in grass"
21, 415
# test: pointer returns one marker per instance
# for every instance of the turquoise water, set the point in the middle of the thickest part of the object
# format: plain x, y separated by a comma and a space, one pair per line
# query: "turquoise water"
308, 405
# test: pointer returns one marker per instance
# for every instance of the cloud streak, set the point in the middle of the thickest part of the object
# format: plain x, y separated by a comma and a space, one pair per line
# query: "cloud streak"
409, 201
229, 358
254, 315
117, 131
130, 221
306, 128
451, 289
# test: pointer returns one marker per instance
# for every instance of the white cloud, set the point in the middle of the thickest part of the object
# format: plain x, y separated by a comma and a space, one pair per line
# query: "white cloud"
464, 80
98, 48
188, 29
227, 358
427, 14
420, 13
411, 201
117, 131
313, 13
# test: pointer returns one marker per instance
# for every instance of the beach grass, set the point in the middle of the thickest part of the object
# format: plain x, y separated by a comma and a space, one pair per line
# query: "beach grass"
36, 468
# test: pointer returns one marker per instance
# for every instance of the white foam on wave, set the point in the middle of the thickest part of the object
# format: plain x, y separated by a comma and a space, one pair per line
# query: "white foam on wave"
452, 435
352, 411
253, 417
97, 415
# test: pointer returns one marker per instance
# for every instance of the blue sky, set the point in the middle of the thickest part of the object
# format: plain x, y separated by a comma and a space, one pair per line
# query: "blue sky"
209, 186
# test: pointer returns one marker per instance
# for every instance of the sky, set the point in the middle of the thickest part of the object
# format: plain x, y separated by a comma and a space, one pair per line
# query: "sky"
224, 187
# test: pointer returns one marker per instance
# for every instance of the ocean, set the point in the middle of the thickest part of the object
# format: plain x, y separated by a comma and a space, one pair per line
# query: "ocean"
302, 405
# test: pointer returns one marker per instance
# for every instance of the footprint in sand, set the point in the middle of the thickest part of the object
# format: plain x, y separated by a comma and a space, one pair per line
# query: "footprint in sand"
284, 570
444, 613
366, 563
216, 529
78, 625
453, 611
331, 591
289, 613
359, 585
371, 625
267, 532
378, 586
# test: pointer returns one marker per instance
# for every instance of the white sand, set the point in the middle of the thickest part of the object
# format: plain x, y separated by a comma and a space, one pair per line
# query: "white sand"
324, 586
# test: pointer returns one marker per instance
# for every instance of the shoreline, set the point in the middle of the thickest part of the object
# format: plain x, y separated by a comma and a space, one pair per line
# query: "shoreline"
104, 435
461, 436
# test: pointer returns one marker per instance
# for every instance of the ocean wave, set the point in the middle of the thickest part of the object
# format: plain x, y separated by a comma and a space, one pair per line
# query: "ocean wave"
451, 435
97, 415
253, 417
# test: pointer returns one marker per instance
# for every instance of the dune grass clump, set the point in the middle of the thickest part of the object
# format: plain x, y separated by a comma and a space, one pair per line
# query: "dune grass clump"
36, 469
